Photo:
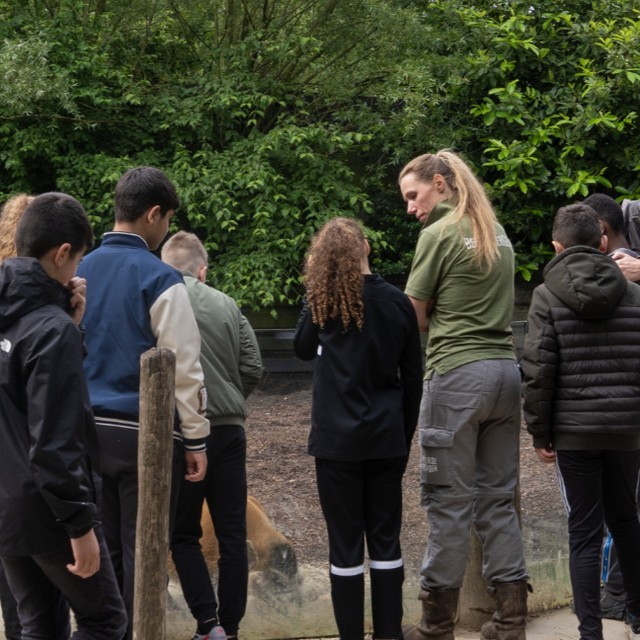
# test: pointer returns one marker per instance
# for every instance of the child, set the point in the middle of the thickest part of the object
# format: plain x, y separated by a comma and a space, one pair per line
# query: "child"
613, 596
366, 395
9, 217
582, 404
49, 523
232, 368
137, 302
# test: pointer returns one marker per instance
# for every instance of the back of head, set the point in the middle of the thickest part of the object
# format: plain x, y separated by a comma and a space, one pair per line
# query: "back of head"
140, 189
9, 218
185, 252
333, 272
577, 224
608, 210
468, 197
50, 220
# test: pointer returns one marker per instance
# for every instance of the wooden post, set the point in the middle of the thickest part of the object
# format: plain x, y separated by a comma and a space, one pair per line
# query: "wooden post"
155, 452
476, 605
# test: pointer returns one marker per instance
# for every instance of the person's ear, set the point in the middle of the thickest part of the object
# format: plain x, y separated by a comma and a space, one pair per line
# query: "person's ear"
604, 243
367, 248
62, 254
557, 247
152, 214
439, 182
202, 273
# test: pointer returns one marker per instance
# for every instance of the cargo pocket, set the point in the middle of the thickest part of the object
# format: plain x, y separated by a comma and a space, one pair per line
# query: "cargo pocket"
435, 462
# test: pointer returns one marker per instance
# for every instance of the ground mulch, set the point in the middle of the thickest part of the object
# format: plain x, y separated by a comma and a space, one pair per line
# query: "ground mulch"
281, 475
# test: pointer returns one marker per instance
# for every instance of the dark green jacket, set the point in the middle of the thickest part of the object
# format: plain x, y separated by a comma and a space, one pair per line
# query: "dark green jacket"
230, 355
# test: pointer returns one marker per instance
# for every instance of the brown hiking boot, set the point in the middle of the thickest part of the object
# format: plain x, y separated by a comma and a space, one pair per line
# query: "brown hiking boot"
438, 616
510, 616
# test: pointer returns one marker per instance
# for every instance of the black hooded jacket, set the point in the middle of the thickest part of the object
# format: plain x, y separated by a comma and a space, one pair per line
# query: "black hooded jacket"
581, 358
48, 459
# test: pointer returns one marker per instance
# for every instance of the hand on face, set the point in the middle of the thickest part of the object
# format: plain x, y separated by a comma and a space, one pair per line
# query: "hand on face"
78, 289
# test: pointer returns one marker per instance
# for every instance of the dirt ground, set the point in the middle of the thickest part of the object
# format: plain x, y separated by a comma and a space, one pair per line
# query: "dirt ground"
281, 476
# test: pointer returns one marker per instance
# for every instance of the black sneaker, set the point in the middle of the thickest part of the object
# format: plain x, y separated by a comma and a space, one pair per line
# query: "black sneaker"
633, 631
612, 607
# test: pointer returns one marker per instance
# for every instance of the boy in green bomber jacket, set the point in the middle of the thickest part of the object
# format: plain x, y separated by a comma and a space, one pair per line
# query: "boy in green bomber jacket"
232, 367
581, 366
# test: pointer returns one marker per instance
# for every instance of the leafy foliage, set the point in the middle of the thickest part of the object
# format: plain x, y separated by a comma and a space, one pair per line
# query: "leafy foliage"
552, 93
259, 111
273, 115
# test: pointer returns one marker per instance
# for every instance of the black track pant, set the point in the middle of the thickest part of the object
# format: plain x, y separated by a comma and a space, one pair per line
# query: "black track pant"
363, 500
600, 487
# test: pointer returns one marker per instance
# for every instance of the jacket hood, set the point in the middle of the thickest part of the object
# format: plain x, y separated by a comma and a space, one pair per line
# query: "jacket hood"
587, 281
25, 286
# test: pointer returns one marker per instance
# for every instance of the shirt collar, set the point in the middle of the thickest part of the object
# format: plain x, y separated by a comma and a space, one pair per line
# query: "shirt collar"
124, 237
438, 212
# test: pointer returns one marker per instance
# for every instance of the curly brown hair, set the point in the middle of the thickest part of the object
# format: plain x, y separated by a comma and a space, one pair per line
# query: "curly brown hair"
9, 217
333, 273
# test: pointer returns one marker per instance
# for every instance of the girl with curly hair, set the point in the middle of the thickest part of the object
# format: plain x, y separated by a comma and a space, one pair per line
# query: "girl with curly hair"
367, 384
10, 215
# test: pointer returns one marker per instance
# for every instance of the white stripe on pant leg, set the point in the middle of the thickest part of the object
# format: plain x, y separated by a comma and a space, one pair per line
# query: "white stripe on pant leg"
563, 488
347, 571
385, 564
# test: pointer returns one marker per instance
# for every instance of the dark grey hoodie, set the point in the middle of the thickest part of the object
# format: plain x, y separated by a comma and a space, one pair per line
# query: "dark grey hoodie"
581, 358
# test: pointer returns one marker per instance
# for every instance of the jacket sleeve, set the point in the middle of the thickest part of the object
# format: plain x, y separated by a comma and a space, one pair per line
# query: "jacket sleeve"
539, 365
411, 373
57, 415
250, 365
174, 325
305, 339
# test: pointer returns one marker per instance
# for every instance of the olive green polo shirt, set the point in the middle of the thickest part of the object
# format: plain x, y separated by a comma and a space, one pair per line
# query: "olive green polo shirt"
471, 317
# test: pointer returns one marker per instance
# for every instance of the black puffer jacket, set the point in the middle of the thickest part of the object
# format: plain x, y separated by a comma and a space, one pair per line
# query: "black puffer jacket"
48, 481
581, 358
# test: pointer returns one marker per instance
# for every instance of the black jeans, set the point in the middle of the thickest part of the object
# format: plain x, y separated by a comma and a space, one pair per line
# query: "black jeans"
600, 487
12, 626
225, 490
119, 454
36, 582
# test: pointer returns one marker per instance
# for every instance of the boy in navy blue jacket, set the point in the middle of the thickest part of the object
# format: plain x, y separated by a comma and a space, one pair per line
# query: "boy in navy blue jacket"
50, 535
138, 302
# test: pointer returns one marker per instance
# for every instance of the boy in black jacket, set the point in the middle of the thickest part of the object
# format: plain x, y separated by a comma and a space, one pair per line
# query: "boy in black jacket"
581, 364
49, 484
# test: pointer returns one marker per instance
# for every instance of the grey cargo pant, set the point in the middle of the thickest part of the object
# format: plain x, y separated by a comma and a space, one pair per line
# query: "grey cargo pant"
469, 433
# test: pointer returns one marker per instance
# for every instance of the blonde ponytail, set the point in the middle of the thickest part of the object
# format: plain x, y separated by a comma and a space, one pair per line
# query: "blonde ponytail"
469, 199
